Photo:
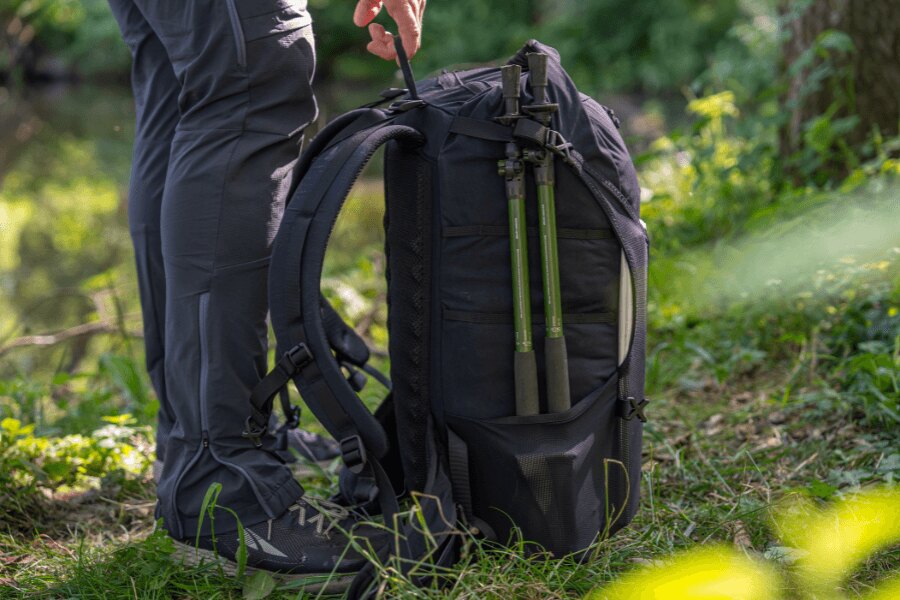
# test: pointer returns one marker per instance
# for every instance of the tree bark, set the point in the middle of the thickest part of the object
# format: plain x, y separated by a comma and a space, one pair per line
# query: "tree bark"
873, 67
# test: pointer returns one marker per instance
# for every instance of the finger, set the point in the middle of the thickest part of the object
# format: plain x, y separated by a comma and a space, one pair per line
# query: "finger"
407, 24
366, 10
382, 44
421, 12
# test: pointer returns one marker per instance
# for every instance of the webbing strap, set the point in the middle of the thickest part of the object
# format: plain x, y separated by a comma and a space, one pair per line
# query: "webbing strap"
525, 130
429, 536
537, 318
408, 77
458, 460
481, 129
349, 348
263, 394
563, 233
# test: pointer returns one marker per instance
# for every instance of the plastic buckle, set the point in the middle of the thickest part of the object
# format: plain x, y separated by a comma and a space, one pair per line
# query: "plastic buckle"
558, 145
405, 105
635, 408
353, 452
391, 93
253, 432
298, 356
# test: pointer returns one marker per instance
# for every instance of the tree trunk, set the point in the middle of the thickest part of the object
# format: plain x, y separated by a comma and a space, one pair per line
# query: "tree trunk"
872, 68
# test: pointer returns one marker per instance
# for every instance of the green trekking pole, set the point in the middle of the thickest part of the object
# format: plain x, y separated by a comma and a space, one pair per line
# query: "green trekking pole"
555, 353
512, 169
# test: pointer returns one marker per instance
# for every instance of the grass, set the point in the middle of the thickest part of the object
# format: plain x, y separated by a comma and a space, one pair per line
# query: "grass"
721, 449
765, 384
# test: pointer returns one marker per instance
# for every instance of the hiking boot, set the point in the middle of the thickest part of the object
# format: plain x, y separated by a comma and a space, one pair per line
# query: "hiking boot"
310, 446
310, 540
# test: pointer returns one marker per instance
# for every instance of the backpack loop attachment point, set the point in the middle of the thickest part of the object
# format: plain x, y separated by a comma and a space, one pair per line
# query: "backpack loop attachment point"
634, 408
353, 452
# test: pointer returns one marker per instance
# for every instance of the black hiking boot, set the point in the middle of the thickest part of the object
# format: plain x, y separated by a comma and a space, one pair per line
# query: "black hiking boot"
311, 447
311, 540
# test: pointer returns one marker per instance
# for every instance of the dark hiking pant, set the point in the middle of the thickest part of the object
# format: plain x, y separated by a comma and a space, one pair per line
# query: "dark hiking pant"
222, 94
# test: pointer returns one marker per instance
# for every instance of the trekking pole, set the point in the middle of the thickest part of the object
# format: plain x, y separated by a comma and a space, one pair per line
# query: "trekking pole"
513, 170
555, 353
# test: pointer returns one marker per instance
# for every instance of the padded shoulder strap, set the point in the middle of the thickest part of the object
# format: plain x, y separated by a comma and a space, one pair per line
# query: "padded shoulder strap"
348, 346
294, 282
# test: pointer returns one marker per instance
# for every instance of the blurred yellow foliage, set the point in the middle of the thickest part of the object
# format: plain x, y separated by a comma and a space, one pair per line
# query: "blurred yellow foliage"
830, 544
711, 573
838, 539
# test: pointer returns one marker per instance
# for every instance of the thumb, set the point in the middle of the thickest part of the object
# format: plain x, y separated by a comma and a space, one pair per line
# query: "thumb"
366, 10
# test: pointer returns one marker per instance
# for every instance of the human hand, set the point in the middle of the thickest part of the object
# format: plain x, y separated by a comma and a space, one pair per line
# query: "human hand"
407, 14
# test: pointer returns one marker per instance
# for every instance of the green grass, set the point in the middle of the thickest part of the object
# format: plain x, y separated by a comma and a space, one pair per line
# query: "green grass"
773, 371
764, 400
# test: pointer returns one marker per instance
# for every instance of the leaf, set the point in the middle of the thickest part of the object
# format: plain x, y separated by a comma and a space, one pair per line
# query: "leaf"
209, 505
126, 377
820, 489
258, 586
832, 39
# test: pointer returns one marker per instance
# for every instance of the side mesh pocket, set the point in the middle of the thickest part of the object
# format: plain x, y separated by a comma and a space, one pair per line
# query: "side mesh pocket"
554, 476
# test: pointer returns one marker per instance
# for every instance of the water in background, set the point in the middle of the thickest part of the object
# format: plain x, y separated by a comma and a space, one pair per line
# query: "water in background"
65, 253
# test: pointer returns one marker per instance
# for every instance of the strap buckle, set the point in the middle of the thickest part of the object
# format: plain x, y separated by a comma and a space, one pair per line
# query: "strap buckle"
635, 408
353, 452
558, 145
253, 432
296, 358
401, 106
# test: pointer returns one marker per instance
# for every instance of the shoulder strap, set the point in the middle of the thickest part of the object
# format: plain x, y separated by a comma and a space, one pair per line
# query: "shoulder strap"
301, 325
350, 349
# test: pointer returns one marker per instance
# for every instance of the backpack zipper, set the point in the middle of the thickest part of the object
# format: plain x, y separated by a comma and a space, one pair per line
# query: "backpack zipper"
204, 395
173, 501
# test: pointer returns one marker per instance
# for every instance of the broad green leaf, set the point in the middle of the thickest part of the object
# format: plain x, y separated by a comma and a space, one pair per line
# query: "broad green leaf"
258, 586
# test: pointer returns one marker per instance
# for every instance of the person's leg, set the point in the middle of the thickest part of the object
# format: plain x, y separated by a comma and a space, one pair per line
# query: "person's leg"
156, 113
244, 67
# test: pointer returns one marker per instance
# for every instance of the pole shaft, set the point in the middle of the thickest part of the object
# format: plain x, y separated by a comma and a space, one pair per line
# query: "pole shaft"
518, 247
555, 352
512, 168
550, 260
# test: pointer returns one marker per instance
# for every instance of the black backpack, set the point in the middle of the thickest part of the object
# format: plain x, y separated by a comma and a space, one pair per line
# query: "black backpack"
447, 436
